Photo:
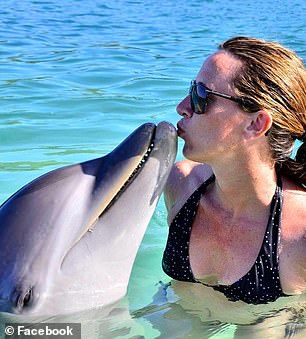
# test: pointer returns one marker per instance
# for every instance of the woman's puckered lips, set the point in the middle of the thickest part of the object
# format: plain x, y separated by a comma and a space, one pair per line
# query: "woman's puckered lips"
180, 129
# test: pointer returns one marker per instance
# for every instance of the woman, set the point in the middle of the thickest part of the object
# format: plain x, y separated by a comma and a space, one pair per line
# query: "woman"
236, 206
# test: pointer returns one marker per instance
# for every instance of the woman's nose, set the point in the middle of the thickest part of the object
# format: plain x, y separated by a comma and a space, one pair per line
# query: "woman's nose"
184, 108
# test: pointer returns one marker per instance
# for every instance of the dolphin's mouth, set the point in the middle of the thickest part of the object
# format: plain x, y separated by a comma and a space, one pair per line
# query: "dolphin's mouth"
133, 175
129, 178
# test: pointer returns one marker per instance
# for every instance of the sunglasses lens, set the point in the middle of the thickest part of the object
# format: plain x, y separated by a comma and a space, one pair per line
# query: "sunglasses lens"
198, 97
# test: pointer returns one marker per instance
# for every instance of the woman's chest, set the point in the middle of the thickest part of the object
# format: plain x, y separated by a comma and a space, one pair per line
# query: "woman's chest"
224, 249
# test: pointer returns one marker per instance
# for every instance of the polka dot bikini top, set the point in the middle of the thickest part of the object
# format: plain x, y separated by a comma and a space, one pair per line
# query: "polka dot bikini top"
260, 285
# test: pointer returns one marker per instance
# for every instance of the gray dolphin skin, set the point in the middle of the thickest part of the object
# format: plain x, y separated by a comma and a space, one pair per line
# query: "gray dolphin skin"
68, 239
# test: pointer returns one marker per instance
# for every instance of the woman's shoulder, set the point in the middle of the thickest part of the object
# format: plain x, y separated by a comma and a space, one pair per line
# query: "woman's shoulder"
294, 210
185, 177
293, 238
294, 200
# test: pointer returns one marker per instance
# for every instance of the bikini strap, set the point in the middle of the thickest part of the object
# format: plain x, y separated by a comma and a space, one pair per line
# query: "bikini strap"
206, 183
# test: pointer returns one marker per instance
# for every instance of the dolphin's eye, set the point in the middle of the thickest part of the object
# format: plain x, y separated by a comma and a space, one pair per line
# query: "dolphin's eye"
23, 299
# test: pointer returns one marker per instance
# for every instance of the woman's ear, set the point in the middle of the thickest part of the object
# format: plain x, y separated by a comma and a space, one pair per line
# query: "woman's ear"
260, 123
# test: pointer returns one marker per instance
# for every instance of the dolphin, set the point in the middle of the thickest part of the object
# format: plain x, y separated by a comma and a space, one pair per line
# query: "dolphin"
68, 239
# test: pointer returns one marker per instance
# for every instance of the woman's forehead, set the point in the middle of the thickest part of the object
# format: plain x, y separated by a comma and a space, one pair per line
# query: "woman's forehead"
219, 67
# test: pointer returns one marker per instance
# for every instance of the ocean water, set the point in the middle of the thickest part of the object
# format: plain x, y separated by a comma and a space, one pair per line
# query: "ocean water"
76, 77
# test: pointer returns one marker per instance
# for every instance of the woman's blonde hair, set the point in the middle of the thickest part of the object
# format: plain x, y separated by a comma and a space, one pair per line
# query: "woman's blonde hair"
273, 78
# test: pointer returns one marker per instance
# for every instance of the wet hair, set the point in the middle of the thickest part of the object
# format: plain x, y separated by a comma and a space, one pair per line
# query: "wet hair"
273, 78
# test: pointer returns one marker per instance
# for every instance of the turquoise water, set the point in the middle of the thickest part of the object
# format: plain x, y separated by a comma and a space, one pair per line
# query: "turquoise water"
77, 77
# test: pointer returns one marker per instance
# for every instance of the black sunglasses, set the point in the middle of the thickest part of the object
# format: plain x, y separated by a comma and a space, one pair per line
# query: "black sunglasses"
199, 97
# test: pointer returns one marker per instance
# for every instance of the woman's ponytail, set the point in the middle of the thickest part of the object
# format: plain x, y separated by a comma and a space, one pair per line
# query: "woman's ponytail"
296, 168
